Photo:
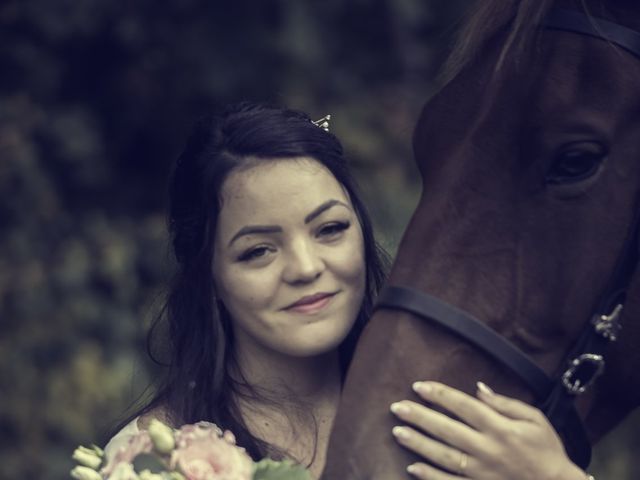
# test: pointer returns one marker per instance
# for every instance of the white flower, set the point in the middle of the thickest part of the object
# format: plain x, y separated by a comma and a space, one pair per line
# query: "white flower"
161, 436
85, 473
124, 471
87, 457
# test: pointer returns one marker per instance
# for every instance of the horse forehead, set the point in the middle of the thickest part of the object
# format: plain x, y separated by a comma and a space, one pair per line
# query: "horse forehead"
572, 78
576, 71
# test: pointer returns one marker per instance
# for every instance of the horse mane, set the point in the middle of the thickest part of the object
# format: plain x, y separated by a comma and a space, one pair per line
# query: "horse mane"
487, 17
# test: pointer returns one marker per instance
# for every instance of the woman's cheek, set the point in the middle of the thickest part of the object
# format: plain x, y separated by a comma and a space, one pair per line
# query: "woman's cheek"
255, 287
242, 287
350, 266
355, 261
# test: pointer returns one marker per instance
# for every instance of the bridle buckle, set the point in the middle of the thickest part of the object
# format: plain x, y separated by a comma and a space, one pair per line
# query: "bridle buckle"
608, 325
591, 364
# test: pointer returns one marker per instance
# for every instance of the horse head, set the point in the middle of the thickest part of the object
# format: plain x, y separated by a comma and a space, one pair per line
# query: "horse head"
530, 160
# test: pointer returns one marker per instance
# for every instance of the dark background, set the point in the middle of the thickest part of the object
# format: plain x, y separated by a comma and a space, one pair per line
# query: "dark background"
96, 98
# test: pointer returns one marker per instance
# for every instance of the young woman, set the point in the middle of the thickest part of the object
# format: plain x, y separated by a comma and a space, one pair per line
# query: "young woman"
277, 271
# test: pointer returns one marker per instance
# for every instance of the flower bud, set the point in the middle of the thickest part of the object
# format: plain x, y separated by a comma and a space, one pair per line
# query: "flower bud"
85, 473
147, 475
98, 451
161, 436
87, 457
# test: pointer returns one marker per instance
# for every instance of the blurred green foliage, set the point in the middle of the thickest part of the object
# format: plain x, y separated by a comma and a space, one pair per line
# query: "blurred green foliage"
96, 98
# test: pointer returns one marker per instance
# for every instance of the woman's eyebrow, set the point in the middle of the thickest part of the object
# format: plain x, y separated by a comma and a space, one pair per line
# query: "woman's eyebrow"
322, 208
249, 229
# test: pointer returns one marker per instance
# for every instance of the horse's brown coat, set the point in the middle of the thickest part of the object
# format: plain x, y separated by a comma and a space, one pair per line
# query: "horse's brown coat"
490, 237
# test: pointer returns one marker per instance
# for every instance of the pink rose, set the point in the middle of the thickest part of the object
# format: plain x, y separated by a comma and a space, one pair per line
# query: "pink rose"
188, 433
138, 443
203, 454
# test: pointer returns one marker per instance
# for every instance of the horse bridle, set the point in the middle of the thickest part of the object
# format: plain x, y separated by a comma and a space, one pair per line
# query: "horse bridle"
554, 395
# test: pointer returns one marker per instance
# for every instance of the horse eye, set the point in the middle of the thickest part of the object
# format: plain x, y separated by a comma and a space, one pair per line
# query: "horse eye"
575, 162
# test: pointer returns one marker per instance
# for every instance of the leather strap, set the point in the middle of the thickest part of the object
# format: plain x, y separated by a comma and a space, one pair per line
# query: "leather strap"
470, 329
576, 22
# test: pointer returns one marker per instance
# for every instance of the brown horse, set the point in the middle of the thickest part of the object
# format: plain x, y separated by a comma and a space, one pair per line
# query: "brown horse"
530, 159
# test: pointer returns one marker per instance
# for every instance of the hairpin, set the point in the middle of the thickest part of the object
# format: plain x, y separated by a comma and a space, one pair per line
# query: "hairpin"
323, 123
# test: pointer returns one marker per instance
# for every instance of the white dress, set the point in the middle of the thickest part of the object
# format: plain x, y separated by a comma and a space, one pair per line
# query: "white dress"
121, 439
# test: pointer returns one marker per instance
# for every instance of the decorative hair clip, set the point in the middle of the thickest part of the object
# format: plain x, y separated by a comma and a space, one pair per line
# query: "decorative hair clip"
323, 123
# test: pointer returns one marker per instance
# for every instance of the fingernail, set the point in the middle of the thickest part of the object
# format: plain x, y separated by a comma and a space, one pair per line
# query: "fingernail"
421, 387
399, 408
400, 432
413, 469
484, 388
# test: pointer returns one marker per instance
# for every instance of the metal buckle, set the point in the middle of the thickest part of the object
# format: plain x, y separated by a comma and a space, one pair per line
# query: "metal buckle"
575, 386
608, 325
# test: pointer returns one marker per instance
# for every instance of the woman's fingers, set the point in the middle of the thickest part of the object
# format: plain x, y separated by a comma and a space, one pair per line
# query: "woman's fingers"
423, 471
436, 452
505, 438
439, 425
470, 410
509, 407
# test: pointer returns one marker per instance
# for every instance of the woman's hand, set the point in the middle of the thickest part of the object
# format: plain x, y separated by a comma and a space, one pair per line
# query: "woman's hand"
498, 438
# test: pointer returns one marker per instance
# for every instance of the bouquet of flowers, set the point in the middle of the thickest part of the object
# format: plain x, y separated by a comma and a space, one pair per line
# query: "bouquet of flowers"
197, 451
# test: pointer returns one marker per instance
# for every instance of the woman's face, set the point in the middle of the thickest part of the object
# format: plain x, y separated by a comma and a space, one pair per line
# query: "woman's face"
289, 258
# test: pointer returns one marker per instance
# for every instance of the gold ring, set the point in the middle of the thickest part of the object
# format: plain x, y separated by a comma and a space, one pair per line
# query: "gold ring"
464, 460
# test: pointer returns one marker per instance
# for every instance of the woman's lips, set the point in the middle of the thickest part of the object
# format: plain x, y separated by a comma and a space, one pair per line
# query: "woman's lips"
311, 303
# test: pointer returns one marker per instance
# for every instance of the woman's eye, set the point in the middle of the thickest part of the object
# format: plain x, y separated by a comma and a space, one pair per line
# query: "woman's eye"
575, 162
333, 229
254, 253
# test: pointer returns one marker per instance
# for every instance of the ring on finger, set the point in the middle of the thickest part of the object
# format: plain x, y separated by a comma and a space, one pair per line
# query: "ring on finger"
462, 465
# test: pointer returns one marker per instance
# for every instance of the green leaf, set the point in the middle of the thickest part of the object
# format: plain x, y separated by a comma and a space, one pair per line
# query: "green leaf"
268, 469
148, 461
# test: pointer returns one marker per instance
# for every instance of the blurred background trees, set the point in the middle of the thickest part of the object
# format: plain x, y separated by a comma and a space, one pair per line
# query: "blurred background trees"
96, 98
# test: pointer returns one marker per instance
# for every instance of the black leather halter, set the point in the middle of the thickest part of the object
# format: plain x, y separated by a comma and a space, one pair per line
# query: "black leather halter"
576, 22
554, 395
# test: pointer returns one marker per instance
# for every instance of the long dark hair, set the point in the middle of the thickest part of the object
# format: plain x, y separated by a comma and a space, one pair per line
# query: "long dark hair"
196, 383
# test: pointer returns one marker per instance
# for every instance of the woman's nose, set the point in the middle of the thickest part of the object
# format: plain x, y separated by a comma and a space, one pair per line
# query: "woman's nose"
303, 264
